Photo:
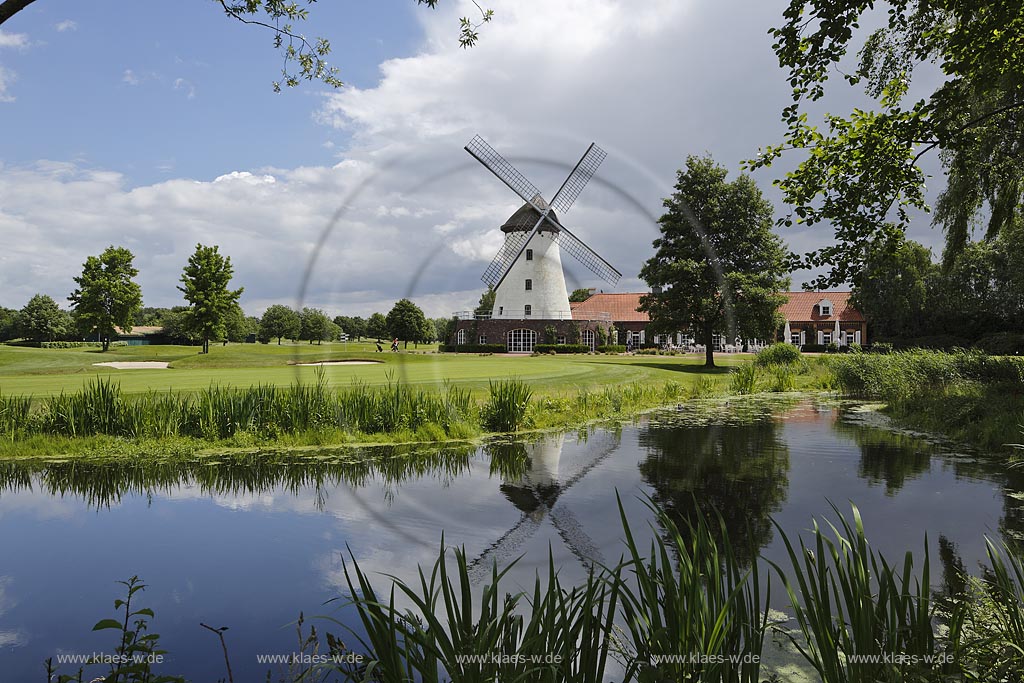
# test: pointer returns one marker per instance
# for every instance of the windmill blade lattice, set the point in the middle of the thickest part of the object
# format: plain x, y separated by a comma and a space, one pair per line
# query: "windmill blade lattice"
506, 172
514, 244
585, 169
575, 247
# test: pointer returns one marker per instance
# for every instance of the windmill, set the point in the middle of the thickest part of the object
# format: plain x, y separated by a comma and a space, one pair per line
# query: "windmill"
526, 273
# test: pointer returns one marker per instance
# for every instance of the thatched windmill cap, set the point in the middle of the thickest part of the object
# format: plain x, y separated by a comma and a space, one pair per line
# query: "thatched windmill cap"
526, 217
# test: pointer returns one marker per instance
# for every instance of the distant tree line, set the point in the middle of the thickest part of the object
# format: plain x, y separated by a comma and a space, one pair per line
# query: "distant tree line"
975, 298
108, 302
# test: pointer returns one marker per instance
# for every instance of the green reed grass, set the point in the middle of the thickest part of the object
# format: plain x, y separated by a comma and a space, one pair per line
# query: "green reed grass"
508, 405
850, 603
690, 599
744, 379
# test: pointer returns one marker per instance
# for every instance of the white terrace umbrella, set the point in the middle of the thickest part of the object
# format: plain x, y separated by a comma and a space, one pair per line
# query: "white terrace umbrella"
839, 339
787, 334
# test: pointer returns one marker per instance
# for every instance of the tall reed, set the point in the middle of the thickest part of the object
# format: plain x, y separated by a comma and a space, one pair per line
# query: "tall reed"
692, 613
508, 405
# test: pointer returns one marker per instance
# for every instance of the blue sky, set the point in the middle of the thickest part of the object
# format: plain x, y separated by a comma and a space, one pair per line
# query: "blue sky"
152, 125
160, 89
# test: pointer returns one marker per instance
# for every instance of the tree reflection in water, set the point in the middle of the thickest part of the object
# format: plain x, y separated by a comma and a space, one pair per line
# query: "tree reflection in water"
895, 458
742, 470
104, 483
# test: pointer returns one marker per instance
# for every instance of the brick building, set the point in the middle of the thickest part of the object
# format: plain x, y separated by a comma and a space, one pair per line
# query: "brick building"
809, 318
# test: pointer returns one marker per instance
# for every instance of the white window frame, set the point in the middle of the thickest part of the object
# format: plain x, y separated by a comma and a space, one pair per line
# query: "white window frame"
527, 311
529, 285
521, 341
460, 337
588, 338
482, 339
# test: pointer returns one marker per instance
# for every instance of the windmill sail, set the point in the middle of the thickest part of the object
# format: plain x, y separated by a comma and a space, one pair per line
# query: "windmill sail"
515, 242
585, 169
506, 172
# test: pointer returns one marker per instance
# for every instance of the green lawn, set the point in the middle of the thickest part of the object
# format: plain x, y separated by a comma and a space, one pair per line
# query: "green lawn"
40, 372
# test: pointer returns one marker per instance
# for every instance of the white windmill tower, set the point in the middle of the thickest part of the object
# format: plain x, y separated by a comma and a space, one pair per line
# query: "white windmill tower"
527, 271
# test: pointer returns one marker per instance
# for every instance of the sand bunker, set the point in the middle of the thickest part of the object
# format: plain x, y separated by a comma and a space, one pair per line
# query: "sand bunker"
135, 365
343, 362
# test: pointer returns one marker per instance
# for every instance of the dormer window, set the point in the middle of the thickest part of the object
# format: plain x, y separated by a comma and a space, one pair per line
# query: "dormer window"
529, 254
529, 285
825, 308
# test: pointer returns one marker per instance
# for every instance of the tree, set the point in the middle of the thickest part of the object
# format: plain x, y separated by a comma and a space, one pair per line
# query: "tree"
428, 332
41, 319
178, 326
377, 326
444, 328
862, 174
8, 323
309, 55
581, 294
354, 327
107, 297
279, 322
314, 325
238, 327
486, 304
718, 262
205, 285
406, 322
891, 289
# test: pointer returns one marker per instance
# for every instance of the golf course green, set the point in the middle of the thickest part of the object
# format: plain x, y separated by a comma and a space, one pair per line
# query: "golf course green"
46, 372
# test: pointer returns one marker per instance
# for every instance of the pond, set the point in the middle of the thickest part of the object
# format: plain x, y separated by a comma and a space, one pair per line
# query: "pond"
249, 542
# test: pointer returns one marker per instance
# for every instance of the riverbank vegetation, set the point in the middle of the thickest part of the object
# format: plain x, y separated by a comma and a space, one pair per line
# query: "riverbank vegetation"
245, 403
966, 395
656, 616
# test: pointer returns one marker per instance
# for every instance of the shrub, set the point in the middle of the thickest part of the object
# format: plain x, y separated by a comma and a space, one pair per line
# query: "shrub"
831, 347
813, 348
778, 354
561, 348
881, 347
612, 348
1002, 344
938, 342
473, 348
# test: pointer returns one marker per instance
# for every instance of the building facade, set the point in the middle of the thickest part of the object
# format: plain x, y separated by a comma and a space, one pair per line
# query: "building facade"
810, 319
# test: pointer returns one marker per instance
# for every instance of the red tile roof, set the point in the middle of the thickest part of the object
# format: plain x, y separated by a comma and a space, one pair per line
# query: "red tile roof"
799, 308
802, 307
621, 307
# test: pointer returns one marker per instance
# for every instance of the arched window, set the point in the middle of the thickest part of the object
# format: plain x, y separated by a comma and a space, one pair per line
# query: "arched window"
587, 337
521, 341
529, 285
529, 254
460, 336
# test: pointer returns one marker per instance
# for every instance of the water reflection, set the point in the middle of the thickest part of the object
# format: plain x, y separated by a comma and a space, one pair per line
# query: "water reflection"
102, 484
895, 458
698, 463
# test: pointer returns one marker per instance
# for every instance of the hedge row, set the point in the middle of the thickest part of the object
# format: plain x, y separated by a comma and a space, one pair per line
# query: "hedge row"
611, 348
473, 348
561, 348
62, 344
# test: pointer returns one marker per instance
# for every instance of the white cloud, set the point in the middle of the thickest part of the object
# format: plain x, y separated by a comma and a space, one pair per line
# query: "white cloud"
130, 77
15, 40
66, 25
187, 86
7, 77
